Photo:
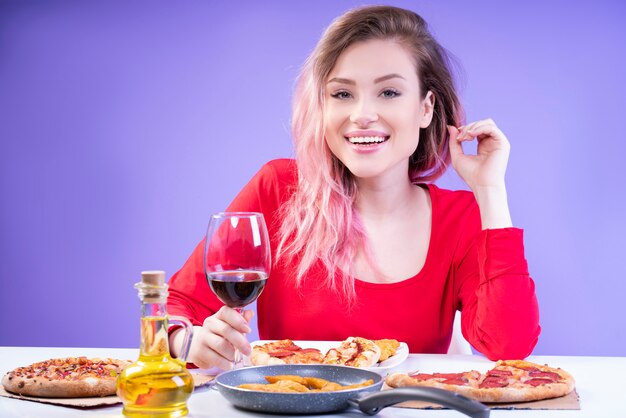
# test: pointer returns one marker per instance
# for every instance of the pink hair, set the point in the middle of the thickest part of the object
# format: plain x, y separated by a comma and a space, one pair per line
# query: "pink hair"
319, 221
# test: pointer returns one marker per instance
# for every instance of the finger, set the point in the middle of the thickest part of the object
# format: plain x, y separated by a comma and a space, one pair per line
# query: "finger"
484, 131
468, 132
207, 353
233, 318
248, 315
227, 338
216, 324
471, 128
455, 146
219, 346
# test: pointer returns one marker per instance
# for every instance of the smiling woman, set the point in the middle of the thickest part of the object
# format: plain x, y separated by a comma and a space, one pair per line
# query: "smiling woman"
363, 243
362, 93
97, 94
374, 111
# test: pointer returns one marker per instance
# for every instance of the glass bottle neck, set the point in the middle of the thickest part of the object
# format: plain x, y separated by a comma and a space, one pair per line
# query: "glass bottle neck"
153, 309
154, 338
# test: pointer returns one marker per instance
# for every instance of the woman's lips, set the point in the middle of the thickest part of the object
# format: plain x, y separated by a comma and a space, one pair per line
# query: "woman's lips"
366, 140
367, 144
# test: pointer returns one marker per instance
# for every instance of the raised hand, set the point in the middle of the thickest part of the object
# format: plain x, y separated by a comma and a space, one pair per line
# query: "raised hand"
488, 166
214, 343
484, 172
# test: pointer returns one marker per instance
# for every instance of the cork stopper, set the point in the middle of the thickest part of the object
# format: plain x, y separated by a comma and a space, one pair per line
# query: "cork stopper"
153, 277
152, 287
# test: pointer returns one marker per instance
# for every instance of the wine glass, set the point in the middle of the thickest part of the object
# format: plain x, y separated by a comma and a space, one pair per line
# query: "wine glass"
237, 259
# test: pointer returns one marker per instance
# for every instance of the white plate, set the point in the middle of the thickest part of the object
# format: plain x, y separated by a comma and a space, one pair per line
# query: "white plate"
401, 353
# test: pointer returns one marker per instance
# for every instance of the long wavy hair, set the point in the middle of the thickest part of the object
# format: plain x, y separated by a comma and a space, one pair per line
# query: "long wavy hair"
319, 222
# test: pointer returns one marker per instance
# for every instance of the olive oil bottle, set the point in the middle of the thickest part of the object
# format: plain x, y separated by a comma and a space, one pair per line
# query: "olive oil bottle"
156, 385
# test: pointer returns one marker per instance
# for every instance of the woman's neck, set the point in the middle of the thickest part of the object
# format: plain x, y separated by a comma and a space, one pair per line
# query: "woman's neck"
381, 198
396, 217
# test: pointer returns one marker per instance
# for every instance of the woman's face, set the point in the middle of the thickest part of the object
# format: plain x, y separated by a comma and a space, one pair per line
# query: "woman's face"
374, 110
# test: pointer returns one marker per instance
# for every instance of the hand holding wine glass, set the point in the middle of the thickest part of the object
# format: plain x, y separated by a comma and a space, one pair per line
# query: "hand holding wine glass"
237, 259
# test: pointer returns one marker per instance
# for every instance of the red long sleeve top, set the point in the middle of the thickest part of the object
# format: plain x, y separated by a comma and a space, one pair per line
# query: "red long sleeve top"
482, 273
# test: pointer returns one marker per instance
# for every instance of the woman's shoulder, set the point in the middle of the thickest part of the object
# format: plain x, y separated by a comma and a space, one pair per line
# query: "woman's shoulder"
457, 210
280, 168
449, 197
271, 185
278, 176
281, 173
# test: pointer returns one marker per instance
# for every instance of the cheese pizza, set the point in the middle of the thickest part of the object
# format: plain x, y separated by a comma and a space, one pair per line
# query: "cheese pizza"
70, 377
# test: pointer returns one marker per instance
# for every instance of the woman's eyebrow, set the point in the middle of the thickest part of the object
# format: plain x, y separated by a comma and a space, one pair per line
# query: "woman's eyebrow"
341, 81
376, 80
387, 77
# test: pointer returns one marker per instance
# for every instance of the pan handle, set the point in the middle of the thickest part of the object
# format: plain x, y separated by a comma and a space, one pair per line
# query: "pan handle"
371, 404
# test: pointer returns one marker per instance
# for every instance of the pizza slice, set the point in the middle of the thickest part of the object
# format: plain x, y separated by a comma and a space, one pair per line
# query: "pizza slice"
520, 381
284, 352
388, 348
355, 352
448, 381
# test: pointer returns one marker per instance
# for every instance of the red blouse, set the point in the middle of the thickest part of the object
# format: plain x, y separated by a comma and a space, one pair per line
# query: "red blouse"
482, 273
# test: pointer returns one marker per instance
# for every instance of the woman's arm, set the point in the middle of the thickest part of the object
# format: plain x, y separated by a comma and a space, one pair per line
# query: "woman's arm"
497, 295
218, 330
484, 172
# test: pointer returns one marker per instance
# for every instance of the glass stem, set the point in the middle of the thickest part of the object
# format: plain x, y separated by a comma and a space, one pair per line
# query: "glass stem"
238, 362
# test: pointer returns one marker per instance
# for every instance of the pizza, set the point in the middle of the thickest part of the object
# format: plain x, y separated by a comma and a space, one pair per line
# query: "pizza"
508, 381
354, 351
388, 348
70, 377
284, 352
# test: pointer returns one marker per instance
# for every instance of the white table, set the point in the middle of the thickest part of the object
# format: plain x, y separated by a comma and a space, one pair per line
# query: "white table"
599, 382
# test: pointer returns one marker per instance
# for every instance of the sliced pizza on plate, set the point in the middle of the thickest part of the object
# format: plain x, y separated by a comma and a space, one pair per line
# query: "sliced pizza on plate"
354, 351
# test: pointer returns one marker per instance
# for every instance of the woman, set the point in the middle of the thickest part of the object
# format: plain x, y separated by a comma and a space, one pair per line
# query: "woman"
363, 243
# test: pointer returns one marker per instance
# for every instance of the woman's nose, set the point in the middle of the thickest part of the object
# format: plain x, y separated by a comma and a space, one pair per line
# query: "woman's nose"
363, 113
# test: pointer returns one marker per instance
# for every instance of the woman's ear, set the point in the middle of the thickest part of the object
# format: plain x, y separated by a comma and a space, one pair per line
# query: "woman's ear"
427, 109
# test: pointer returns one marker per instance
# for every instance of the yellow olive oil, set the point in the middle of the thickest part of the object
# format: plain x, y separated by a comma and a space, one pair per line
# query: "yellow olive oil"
156, 385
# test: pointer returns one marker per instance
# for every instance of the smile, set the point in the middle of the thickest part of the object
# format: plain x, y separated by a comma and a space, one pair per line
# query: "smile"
367, 140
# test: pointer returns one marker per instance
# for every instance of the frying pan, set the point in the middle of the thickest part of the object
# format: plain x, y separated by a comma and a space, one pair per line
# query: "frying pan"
368, 399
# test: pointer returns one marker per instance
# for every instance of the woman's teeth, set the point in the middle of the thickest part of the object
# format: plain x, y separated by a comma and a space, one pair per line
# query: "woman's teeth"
367, 139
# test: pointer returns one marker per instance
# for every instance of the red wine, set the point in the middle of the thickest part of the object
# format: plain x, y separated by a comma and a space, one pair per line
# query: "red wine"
237, 288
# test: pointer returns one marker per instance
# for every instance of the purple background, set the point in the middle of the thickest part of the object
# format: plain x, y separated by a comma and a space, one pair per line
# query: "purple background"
124, 125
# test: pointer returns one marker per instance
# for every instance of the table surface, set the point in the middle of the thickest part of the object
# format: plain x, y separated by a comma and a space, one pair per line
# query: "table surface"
598, 382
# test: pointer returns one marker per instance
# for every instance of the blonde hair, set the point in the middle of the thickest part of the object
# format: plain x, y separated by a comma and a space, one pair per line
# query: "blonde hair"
319, 223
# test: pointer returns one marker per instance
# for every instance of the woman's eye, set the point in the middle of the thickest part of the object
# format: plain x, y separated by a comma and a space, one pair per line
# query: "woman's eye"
341, 95
388, 94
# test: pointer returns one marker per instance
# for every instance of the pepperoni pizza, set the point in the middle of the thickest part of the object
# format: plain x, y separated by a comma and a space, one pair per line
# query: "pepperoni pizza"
284, 352
508, 381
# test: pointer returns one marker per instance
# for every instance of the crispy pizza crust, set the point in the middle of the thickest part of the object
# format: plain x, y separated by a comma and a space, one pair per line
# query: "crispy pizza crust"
44, 388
